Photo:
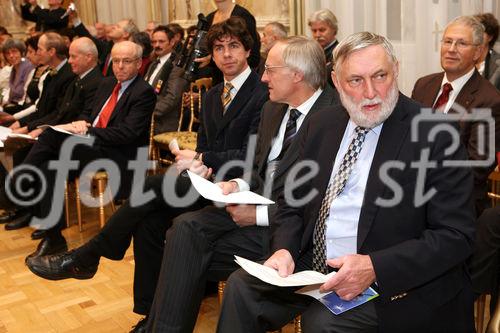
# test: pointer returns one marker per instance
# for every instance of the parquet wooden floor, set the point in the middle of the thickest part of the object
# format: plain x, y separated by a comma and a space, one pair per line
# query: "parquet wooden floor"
29, 304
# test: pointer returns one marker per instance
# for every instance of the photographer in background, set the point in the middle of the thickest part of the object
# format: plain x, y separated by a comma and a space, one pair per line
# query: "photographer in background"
45, 19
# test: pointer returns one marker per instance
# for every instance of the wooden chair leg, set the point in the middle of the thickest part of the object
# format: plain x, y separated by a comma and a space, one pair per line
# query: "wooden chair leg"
220, 290
480, 304
297, 324
494, 324
78, 205
66, 203
101, 188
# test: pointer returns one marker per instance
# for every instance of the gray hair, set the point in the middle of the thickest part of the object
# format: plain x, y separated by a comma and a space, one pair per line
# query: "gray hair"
307, 56
359, 41
473, 23
278, 29
324, 15
87, 46
130, 27
14, 44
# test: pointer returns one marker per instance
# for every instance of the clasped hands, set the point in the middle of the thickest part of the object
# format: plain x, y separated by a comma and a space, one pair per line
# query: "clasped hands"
355, 272
76, 127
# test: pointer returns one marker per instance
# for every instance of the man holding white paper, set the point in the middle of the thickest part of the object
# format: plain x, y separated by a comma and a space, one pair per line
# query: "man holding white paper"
369, 218
200, 244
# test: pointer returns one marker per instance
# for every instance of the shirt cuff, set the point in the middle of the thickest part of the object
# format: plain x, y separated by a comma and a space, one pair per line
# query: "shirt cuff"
77, 22
261, 216
243, 185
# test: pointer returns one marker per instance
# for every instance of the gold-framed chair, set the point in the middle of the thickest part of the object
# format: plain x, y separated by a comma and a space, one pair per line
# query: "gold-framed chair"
185, 139
99, 184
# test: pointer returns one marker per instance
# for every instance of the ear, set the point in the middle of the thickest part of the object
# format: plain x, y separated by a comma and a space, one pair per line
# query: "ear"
478, 52
298, 76
335, 80
247, 54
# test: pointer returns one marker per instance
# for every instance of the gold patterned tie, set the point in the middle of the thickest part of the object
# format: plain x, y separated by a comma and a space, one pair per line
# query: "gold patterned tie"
226, 95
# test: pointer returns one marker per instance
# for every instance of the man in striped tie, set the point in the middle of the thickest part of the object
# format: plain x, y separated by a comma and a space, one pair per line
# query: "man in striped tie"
365, 217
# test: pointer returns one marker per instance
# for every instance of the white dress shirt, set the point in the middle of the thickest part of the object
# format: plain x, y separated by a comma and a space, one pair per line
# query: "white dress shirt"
457, 85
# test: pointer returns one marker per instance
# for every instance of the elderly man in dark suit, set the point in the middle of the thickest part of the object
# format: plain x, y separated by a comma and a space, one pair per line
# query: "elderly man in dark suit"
225, 128
460, 83
488, 64
359, 223
200, 245
118, 123
46, 19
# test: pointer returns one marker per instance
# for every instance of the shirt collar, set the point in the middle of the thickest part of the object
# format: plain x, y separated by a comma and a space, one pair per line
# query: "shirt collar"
305, 107
458, 84
163, 59
351, 126
127, 83
58, 68
85, 73
238, 81
329, 45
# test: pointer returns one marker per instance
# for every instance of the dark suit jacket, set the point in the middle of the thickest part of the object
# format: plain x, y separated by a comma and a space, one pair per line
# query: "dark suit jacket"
45, 19
159, 82
169, 101
52, 95
417, 250
492, 68
223, 137
128, 127
78, 98
270, 121
476, 93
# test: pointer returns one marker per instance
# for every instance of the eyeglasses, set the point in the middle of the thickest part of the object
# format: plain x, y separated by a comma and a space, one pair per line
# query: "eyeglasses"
125, 61
269, 69
459, 43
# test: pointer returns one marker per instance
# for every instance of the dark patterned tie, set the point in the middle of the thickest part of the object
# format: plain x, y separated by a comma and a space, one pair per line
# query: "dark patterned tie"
152, 69
226, 95
444, 97
335, 187
290, 131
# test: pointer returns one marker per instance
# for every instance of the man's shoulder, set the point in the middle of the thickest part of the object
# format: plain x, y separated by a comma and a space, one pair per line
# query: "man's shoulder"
429, 78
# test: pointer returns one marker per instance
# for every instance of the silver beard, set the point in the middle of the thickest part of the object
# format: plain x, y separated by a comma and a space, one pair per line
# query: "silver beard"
371, 119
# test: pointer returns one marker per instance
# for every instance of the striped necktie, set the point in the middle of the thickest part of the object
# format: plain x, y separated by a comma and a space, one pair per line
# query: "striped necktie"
335, 187
226, 95
290, 131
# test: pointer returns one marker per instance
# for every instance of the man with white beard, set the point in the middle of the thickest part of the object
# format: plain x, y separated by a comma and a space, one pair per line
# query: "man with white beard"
367, 217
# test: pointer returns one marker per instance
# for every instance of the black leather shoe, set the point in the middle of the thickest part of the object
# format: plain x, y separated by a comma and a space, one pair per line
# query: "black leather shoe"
19, 222
60, 266
8, 216
38, 234
140, 327
49, 245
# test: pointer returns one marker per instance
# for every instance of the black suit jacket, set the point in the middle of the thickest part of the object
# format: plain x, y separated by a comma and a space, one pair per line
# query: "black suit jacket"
476, 93
159, 82
492, 68
223, 137
78, 98
45, 19
52, 95
415, 249
270, 122
128, 126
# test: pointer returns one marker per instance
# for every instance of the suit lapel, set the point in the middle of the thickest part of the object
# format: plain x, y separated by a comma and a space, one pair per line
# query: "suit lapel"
391, 139
122, 100
466, 95
274, 123
432, 90
239, 101
107, 90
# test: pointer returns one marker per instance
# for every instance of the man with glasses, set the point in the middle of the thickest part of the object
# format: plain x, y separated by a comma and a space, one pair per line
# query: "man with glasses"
461, 83
118, 122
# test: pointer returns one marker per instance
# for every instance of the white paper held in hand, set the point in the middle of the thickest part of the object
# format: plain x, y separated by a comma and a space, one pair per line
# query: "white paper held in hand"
271, 276
211, 191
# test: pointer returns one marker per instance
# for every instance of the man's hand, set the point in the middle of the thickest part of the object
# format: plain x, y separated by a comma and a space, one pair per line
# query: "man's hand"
229, 187
21, 130
281, 261
200, 169
183, 154
243, 215
76, 127
355, 275
35, 133
204, 61
15, 125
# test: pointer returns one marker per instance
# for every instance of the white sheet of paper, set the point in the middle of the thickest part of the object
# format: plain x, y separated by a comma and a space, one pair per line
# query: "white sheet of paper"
4, 132
211, 191
57, 129
22, 136
271, 276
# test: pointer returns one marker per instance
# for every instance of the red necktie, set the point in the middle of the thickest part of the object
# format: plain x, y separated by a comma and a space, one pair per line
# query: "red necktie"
106, 64
444, 97
107, 110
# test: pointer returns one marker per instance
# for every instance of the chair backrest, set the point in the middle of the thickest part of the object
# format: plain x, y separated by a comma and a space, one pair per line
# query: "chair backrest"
196, 90
495, 187
153, 153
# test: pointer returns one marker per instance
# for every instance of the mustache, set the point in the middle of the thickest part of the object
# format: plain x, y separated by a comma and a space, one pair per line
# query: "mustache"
365, 101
